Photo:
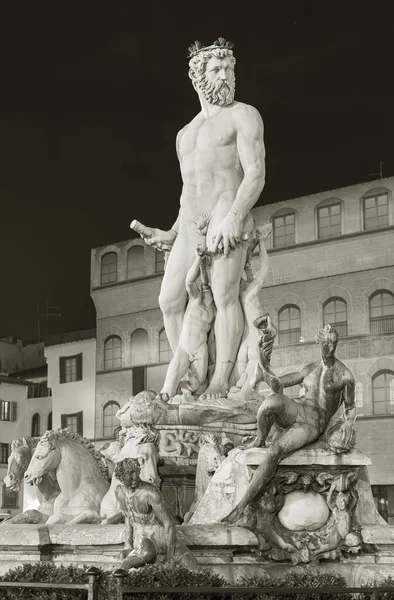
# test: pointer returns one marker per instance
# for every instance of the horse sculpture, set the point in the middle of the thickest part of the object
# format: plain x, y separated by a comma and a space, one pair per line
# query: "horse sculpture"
46, 491
141, 443
209, 458
81, 473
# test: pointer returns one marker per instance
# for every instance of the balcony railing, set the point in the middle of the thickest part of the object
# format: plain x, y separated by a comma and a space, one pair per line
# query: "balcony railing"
381, 324
340, 328
289, 336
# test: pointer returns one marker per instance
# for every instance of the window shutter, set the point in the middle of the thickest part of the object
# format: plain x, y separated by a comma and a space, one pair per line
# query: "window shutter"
14, 412
62, 369
79, 366
63, 421
80, 423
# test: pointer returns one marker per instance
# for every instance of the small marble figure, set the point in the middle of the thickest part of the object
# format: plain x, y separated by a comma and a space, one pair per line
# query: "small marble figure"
328, 383
192, 350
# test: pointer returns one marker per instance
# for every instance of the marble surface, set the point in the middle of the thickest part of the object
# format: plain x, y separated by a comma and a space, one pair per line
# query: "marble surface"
302, 510
316, 454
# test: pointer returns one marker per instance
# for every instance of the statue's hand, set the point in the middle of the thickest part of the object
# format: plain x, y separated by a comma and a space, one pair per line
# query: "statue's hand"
346, 431
162, 240
228, 234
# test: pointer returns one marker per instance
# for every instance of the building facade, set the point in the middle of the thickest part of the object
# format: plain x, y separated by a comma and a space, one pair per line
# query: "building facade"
71, 360
17, 355
331, 260
25, 410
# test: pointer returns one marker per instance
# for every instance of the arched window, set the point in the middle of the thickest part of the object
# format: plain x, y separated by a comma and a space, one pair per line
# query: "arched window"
109, 268
381, 312
376, 210
283, 228
383, 393
135, 262
335, 313
329, 219
109, 418
159, 261
165, 352
139, 347
35, 425
113, 353
49, 422
289, 321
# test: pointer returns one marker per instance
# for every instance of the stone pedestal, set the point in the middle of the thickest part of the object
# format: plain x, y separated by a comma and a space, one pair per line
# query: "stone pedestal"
230, 551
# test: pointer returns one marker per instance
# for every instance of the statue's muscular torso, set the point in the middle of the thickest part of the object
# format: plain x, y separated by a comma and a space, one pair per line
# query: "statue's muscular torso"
210, 165
137, 504
323, 391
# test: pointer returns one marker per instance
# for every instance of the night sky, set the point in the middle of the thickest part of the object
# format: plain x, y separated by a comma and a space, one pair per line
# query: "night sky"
92, 98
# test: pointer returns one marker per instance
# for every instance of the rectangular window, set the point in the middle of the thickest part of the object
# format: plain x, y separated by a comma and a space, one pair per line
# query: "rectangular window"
383, 496
5, 411
4, 453
376, 211
74, 422
139, 379
159, 261
284, 230
329, 221
10, 498
70, 368
38, 390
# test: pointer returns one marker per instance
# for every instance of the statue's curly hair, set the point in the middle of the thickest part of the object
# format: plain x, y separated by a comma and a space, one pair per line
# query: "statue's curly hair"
126, 466
198, 62
323, 333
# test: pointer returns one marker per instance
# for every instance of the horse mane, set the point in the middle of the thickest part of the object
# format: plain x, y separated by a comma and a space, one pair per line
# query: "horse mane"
144, 431
29, 442
55, 434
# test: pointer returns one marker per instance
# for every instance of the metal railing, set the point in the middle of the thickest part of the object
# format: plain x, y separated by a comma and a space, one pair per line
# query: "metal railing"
289, 336
229, 593
381, 324
340, 328
91, 586
237, 593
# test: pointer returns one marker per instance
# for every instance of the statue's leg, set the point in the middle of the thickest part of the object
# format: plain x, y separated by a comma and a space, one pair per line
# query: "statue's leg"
144, 552
199, 366
229, 323
173, 296
277, 407
258, 376
294, 438
176, 370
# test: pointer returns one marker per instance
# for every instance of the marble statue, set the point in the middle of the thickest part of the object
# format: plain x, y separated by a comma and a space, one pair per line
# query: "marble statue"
140, 442
47, 489
328, 383
221, 154
81, 474
250, 288
192, 349
150, 527
210, 456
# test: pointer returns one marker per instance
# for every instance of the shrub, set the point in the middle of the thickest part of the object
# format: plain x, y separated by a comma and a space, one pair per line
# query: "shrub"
307, 578
160, 575
44, 573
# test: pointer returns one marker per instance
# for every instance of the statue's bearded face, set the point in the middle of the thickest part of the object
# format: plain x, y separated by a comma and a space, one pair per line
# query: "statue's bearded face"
217, 81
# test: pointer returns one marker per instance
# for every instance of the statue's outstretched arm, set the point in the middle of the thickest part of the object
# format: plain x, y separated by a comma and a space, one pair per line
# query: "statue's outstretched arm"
297, 377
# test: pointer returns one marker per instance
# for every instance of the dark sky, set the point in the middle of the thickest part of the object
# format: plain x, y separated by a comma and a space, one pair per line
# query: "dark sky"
92, 98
